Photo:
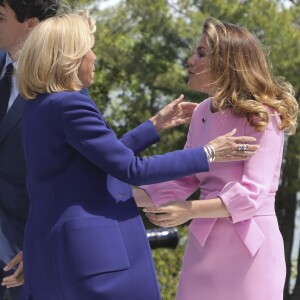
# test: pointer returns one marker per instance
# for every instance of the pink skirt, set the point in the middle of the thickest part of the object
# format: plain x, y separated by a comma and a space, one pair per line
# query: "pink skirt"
223, 268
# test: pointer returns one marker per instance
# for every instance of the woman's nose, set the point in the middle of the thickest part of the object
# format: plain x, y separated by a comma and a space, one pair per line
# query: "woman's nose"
190, 61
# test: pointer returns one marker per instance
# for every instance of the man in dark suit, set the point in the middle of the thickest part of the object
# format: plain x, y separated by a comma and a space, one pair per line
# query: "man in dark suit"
17, 18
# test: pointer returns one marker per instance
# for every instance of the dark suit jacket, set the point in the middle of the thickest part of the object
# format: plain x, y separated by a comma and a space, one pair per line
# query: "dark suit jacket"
14, 201
84, 237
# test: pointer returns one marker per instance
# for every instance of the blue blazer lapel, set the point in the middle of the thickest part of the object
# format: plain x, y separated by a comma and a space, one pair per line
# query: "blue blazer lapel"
13, 116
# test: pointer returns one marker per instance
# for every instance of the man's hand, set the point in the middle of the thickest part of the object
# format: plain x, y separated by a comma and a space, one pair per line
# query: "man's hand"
17, 278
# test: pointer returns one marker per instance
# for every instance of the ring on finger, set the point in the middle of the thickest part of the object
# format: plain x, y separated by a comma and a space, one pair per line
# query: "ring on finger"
242, 147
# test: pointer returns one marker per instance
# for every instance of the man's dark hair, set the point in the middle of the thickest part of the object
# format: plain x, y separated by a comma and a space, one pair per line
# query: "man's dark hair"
26, 9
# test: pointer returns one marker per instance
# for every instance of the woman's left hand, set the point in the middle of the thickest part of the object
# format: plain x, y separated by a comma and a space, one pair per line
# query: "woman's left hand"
173, 114
172, 214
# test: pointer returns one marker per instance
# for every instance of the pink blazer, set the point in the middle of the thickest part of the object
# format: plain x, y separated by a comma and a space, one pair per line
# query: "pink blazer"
247, 188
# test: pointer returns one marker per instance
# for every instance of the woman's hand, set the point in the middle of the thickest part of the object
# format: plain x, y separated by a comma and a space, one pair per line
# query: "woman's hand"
17, 278
174, 114
228, 147
172, 214
179, 212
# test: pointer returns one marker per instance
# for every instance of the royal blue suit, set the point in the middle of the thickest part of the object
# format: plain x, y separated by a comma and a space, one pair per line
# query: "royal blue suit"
14, 201
84, 238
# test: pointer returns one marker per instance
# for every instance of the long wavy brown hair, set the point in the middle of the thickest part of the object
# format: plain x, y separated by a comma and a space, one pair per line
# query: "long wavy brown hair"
243, 80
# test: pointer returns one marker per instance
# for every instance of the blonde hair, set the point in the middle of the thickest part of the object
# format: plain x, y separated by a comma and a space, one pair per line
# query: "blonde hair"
242, 78
51, 56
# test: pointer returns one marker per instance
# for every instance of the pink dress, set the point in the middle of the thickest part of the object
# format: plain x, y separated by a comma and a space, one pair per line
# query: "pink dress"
241, 257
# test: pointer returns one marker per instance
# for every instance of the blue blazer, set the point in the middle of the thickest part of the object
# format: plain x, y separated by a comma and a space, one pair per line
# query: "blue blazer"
84, 237
14, 200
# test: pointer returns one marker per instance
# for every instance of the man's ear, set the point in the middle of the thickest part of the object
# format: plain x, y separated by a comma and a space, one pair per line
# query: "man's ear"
31, 23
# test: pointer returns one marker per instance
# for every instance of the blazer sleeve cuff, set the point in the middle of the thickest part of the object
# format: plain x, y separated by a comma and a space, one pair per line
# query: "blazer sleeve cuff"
238, 201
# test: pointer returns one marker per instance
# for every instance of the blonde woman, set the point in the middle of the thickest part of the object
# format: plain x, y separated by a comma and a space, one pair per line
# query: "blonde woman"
235, 250
84, 237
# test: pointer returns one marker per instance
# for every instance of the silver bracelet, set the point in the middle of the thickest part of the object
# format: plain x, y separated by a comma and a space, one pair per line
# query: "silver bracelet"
210, 153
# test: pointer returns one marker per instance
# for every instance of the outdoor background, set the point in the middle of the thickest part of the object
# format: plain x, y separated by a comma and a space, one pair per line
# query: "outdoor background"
142, 48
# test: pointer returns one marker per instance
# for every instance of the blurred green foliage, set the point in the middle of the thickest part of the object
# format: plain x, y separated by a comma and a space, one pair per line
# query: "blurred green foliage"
168, 263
